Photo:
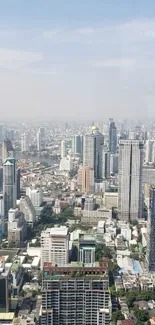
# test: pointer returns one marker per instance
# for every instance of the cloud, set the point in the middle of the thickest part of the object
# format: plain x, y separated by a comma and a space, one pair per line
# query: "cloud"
12, 59
51, 33
115, 63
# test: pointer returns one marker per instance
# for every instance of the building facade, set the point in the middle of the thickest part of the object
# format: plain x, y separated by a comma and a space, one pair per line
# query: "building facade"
55, 246
76, 294
9, 185
150, 251
112, 136
130, 179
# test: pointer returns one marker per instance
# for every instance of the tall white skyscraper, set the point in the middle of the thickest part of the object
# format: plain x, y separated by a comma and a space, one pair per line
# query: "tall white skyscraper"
55, 246
149, 151
130, 179
24, 142
9, 185
63, 149
38, 141
93, 151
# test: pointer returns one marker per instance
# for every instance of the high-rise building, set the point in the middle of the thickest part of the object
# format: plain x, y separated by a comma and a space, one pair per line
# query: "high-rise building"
24, 142
7, 150
9, 185
27, 208
86, 179
150, 151
112, 136
130, 179
92, 151
55, 246
106, 164
76, 294
77, 144
42, 136
114, 163
1, 132
150, 251
18, 183
39, 141
35, 195
63, 149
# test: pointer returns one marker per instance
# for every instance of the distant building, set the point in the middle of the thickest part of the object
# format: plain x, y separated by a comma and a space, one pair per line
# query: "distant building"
112, 136
66, 164
130, 179
77, 144
27, 208
1, 132
7, 150
63, 149
18, 183
106, 164
114, 163
92, 151
39, 141
86, 179
55, 246
35, 195
17, 228
9, 185
150, 251
24, 142
150, 151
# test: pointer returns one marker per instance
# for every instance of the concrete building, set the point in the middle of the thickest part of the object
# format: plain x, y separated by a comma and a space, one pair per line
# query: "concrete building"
77, 294
93, 151
63, 149
17, 227
66, 164
39, 147
150, 251
112, 136
86, 179
106, 164
77, 144
35, 195
5, 292
7, 150
24, 142
9, 185
86, 249
149, 151
55, 246
130, 179
114, 163
27, 208
110, 199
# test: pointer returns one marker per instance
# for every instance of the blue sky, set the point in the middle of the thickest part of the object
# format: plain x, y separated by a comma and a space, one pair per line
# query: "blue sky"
65, 58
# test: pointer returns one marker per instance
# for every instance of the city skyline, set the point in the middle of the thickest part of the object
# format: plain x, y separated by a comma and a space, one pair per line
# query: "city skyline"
62, 60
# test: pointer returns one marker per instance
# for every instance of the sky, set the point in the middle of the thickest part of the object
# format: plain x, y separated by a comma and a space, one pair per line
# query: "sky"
77, 59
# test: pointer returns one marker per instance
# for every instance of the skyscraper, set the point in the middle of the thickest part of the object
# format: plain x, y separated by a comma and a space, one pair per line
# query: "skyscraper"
93, 151
9, 185
76, 294
39, 141
63, 149
77, 141
55, 246
149, 151
112, 136
150, 251
86, 179
24, 143
7, 150
106, 164
130, 179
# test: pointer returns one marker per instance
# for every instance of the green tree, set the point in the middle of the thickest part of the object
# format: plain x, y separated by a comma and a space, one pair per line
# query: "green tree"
134, 223
141, 315
117, 315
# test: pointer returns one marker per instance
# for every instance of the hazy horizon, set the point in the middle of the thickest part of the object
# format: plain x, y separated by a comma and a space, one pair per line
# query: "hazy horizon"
84, 60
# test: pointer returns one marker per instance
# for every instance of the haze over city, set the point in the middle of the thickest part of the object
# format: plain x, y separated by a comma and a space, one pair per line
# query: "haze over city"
63, 59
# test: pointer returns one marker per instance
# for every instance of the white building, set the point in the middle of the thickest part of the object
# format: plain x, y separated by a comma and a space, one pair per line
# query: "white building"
38, 140
63, 149
130, 179
66, 164
27, 208
149, 151
55, 246
93, 151
24, 143
35, 195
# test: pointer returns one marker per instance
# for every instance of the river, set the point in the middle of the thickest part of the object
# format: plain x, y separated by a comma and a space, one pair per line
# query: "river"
49, 160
